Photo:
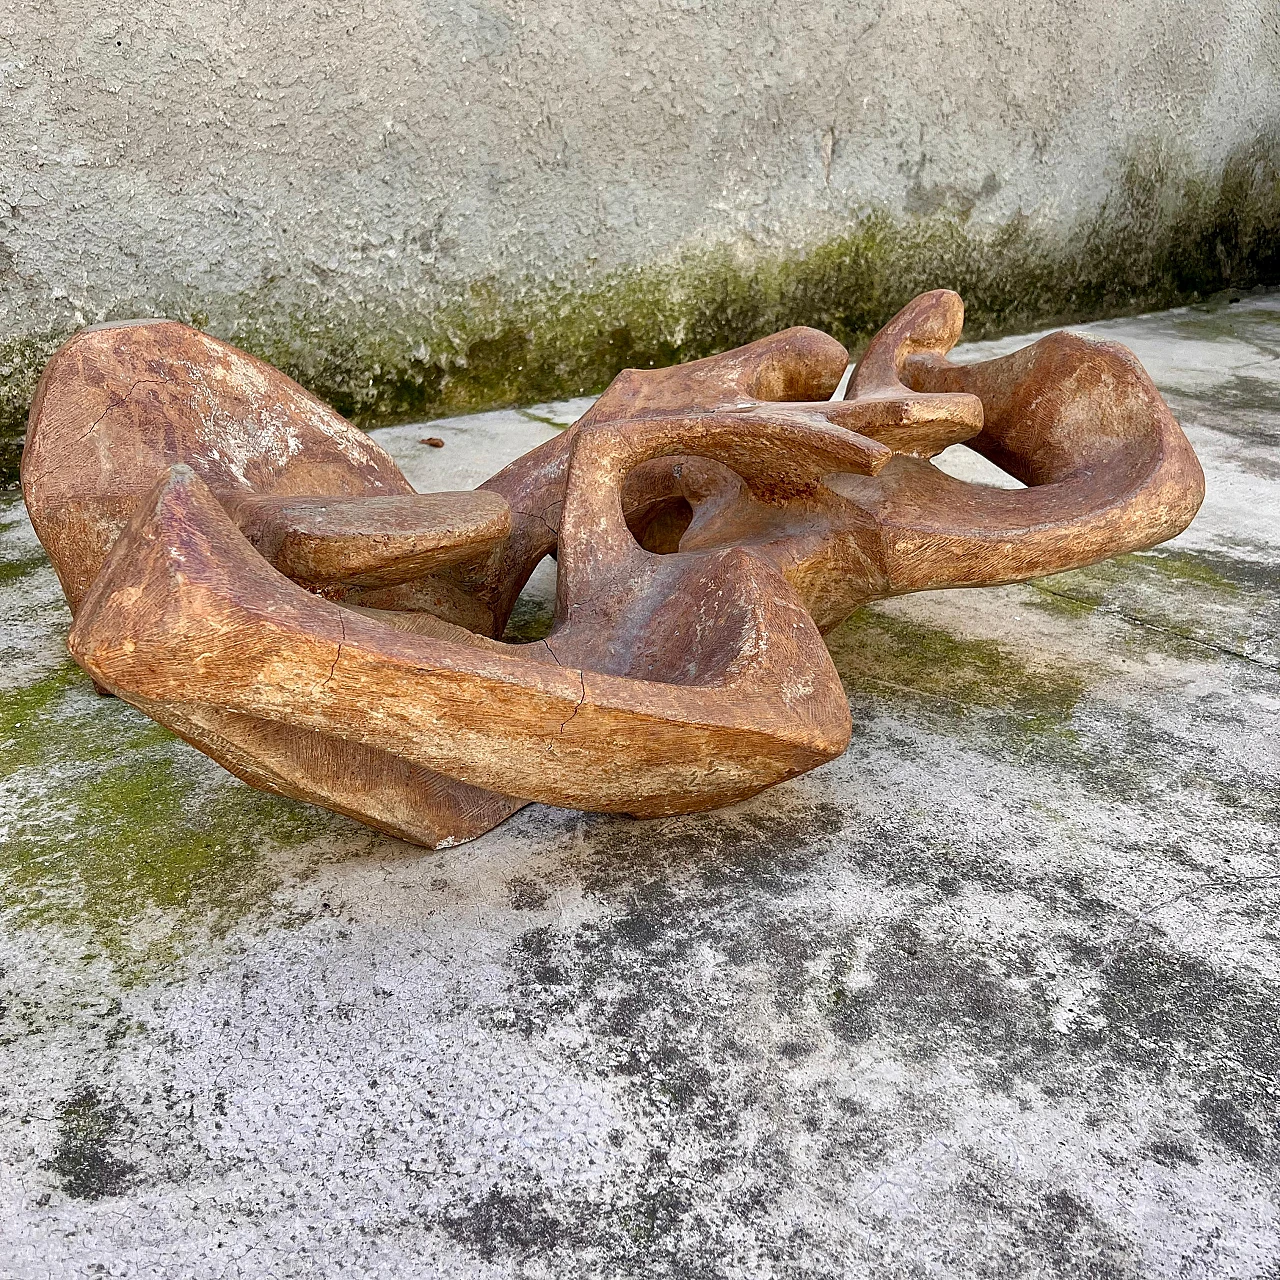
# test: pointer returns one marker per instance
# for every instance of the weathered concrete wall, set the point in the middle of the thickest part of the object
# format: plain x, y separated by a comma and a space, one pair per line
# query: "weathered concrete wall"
426, 206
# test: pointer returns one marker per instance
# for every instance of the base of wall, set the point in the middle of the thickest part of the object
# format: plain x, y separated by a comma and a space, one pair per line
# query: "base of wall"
1164, 236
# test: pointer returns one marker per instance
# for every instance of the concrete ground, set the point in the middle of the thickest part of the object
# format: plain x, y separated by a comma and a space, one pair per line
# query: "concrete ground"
995, 994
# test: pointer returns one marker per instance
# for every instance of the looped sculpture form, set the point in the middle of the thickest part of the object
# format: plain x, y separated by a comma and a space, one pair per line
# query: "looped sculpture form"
250, 570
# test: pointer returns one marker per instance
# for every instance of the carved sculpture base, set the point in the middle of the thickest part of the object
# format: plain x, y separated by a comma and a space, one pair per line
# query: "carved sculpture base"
250, 570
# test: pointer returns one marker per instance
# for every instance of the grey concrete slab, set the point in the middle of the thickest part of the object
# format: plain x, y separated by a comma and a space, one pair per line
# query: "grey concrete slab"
994, 994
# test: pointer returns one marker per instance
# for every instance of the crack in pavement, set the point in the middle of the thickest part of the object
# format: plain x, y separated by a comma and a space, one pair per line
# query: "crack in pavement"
1227, 882
1137, 621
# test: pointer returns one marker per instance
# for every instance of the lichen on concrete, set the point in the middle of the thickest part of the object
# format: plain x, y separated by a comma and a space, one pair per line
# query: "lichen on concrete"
140, 845
881, 649
1215, 599
141, 839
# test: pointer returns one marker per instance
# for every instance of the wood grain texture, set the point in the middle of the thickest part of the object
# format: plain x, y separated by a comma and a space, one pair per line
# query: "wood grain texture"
116, 407
249, 569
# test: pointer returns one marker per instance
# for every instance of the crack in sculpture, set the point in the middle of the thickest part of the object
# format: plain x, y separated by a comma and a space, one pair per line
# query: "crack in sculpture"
296, 611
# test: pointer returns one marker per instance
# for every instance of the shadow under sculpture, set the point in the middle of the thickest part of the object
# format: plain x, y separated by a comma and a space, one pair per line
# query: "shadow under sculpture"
247, 568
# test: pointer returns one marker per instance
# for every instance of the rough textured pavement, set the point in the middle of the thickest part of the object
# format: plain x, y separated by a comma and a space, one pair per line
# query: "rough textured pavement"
995, 994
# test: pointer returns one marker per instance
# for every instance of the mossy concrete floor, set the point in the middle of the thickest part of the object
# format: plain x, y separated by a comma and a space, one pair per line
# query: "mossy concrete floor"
995, 994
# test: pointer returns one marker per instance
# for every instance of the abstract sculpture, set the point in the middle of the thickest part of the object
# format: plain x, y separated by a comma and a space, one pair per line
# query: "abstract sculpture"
250, 570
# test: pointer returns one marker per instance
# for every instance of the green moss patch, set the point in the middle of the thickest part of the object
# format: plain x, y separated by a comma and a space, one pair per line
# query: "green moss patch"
530, 620
1178, 598
117, 829
882, 656
1053, 714
14, 570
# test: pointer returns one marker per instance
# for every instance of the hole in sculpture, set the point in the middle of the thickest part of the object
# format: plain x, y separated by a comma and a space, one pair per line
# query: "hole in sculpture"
660, 528
535, 607
968, 464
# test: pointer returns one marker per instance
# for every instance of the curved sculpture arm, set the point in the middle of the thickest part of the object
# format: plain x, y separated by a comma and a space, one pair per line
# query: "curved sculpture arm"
186, 610
710, 521
119, 403
1080, 423
797, 364
779, 453
371, 541
912, 420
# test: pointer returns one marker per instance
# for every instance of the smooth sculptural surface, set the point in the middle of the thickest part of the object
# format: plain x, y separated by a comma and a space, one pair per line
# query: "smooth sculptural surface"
250, 570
